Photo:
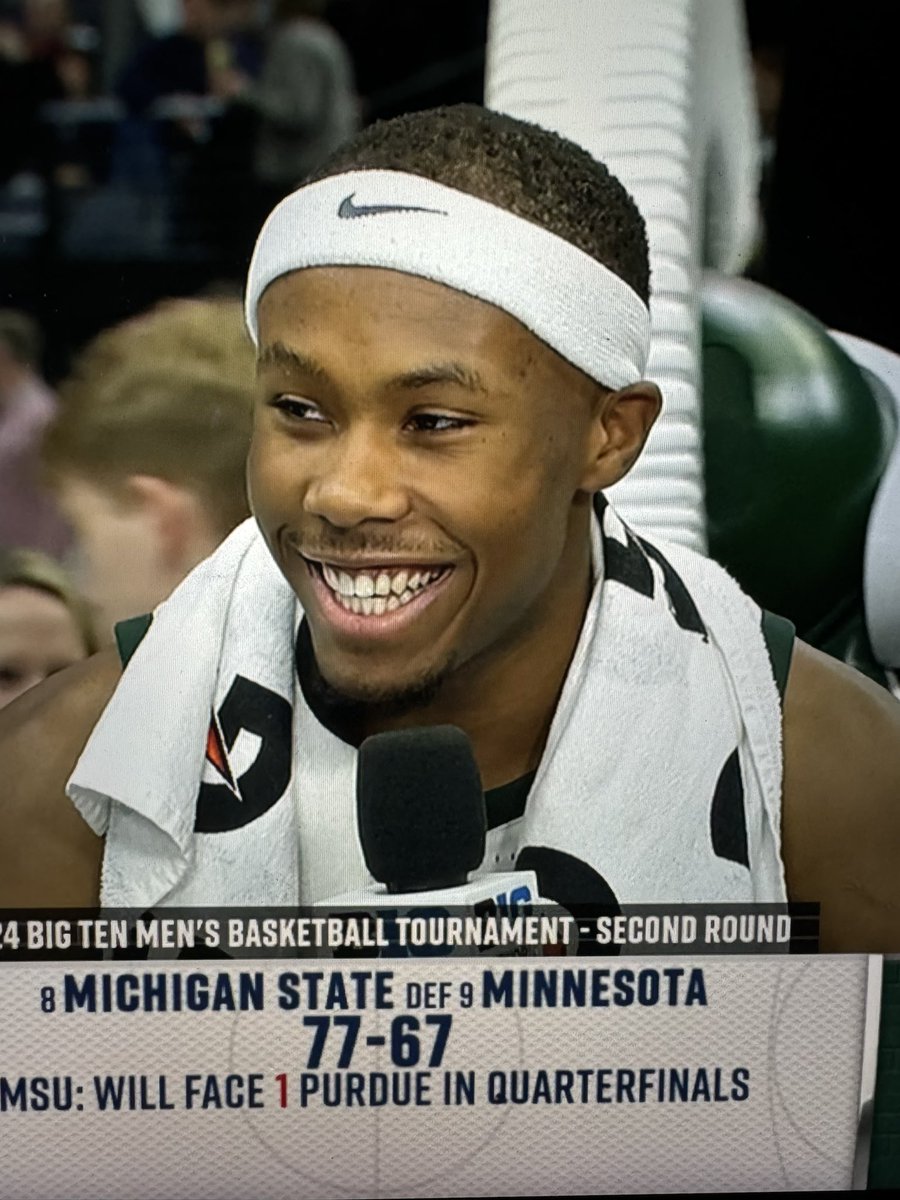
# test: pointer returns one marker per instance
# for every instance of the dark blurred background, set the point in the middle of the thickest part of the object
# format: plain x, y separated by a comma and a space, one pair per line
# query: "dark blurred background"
131, 132
827, 86
132, 163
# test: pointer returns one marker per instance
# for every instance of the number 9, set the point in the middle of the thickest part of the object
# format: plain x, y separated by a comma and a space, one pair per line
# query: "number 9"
466, 994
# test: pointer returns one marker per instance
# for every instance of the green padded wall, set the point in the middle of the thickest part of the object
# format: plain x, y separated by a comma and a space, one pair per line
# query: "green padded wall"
795, 442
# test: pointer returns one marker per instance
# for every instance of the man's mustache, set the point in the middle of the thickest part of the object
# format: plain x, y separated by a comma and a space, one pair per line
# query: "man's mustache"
369, 546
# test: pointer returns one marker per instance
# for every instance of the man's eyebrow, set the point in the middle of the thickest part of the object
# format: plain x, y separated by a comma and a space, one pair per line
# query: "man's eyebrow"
446, 372
277, 354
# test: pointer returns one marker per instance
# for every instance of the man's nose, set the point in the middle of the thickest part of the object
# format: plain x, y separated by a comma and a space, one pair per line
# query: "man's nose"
359, 479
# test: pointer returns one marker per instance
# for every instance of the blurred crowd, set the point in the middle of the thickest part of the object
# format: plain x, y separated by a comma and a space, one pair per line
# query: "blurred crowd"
134, 120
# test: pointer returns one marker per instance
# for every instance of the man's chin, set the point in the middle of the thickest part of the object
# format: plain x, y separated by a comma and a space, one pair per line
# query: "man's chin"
390, 698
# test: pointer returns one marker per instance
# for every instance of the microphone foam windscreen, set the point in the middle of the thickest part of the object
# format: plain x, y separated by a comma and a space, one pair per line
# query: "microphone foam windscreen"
421, 808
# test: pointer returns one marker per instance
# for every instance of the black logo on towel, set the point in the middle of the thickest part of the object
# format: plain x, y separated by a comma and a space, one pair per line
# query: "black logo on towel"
630, 565
727, 819
348, 209
239, 800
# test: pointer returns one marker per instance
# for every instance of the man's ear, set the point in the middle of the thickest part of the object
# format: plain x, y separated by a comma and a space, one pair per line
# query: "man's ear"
619, 428
172, 513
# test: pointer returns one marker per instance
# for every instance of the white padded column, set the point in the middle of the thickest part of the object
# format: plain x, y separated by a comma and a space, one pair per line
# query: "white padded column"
660, 91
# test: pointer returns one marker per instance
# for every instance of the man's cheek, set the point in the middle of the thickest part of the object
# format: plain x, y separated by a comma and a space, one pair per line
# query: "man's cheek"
260, 480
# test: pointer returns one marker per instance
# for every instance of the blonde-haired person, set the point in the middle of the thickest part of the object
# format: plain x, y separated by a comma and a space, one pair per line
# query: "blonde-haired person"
147, 454
45, 625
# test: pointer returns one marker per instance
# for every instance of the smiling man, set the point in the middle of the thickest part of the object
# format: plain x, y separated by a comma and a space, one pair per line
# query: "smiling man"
413, 469
452, 329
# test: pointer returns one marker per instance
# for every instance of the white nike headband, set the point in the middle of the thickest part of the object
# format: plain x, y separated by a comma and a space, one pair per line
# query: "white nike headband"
407, 223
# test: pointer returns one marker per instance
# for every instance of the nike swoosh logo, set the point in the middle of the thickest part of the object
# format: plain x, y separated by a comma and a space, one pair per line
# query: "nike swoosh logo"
348, 209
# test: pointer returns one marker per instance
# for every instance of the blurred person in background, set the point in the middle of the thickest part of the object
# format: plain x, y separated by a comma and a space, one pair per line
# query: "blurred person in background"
185, 137
147, 455
28, 514
277, 131
305, 98
50, 46
211, 54
44, 624
159, 16
43, 57
46, 26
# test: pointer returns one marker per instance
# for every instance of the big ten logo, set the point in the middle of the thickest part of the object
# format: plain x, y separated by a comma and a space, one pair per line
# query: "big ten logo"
504, 903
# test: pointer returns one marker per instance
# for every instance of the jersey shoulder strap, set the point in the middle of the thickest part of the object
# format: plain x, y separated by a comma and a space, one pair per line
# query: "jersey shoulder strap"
130, 633
779, 634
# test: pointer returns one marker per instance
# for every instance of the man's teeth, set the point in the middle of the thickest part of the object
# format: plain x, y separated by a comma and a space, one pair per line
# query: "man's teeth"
373, 594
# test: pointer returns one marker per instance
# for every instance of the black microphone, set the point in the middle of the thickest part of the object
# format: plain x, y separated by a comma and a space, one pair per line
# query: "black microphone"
420, 808
423, 827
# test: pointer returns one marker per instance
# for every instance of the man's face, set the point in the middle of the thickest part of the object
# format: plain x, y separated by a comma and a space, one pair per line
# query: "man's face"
118, 567
415, 469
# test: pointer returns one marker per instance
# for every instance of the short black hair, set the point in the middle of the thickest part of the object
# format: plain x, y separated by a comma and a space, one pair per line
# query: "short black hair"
538, 175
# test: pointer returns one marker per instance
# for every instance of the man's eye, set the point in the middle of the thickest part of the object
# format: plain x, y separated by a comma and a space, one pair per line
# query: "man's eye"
437, 423
302, 410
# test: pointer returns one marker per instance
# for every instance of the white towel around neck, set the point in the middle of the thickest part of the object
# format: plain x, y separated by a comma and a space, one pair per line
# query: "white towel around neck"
649, 714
